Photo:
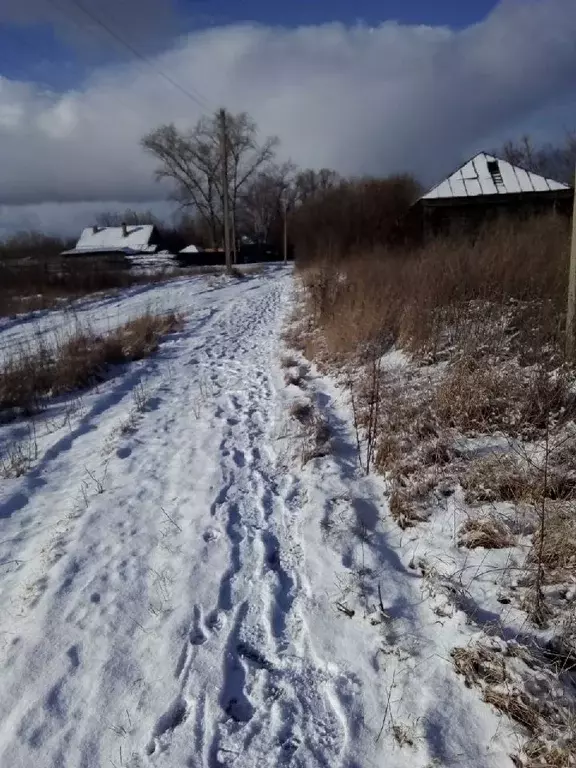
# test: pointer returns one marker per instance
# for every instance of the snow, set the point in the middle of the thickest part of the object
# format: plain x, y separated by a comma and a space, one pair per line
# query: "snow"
171, 572
190, 249
474, 179
97, 239
103, 315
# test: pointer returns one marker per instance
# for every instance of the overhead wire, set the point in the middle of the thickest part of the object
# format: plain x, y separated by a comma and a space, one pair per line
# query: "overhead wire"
191, 93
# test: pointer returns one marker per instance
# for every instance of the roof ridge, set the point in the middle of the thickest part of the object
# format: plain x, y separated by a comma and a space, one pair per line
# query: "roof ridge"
476, 190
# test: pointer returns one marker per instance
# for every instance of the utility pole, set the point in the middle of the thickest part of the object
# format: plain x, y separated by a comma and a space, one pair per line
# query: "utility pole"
225, 190
285, 232
571, 309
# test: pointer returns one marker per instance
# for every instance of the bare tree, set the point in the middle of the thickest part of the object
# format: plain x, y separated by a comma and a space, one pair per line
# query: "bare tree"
262, 203
309, 182
192, 161
130, 217
246, 157
554, 161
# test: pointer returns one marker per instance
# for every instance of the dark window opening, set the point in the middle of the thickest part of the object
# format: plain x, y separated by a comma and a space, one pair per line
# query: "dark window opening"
494, 170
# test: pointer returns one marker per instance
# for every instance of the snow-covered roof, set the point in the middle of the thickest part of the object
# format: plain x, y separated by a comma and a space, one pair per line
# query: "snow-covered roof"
98, 239
190, 249
488, 175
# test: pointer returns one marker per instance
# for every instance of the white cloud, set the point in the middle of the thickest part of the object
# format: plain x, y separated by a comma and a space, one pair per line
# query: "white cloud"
357, 99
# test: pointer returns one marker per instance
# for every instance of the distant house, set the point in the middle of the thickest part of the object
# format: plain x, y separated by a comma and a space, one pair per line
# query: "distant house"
486, 187
125, 240
193, 256
190, 249
247, 253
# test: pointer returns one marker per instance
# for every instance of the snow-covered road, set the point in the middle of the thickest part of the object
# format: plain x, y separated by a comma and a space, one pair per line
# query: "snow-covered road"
170, 574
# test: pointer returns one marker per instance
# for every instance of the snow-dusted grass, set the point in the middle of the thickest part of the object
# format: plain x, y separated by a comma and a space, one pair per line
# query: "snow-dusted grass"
458, 394
35, 372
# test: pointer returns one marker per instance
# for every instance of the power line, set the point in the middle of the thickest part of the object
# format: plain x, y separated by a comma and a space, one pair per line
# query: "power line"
192, 94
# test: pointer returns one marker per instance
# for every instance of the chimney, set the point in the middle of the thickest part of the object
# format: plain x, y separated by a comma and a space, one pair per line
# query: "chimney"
94, 229
124, 229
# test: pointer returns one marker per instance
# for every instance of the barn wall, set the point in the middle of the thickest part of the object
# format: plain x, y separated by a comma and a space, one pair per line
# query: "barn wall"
469, 215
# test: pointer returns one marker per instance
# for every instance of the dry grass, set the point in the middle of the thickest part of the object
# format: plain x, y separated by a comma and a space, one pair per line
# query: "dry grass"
541, 755
474, 397
302, 411
40, 371
404, 735
402, 510
405, 502
516, 705
28, 286
558, 551
479, 664
518, 681
487, 532
480, 323
443, 294
497, 477
318, 441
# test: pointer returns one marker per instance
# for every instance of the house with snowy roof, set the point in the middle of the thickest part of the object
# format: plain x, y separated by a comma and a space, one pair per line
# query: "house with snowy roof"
125, 240
486, 187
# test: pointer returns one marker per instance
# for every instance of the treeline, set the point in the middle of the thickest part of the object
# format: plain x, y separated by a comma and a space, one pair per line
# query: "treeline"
325, 214
353, 215
26, 246
555, 161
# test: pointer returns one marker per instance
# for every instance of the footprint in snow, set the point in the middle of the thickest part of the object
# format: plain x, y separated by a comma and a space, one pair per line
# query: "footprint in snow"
239, 458
211, 534
197, 635
216, 620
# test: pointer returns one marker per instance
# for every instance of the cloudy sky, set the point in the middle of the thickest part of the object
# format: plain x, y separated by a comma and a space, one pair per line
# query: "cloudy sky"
363, 86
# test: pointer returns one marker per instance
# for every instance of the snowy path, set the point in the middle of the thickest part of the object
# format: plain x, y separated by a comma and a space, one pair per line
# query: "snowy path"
159, 620
169, 579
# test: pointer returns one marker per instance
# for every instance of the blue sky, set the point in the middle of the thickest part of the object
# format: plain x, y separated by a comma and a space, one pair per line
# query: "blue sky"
456, 13
49, 54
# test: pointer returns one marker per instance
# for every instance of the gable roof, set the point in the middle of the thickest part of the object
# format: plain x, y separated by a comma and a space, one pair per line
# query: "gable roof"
488, 175
111, 239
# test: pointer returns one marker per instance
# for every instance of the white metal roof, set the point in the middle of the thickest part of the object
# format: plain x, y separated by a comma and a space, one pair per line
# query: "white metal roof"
488, 175
94, 239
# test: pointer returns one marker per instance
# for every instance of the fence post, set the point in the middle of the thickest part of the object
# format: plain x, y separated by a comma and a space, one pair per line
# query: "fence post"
571, 287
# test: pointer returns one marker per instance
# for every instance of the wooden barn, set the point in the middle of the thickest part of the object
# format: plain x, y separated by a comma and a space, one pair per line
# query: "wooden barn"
484, 188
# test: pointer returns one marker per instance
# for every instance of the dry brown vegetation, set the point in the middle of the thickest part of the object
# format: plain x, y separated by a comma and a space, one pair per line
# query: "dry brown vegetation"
28, 286
480, 407
488, 532
506, 286
40, 370
489, 308
480, 322
518, 682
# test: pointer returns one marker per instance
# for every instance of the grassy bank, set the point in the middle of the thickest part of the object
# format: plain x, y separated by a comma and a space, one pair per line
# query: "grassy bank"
452, 359
76, 360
